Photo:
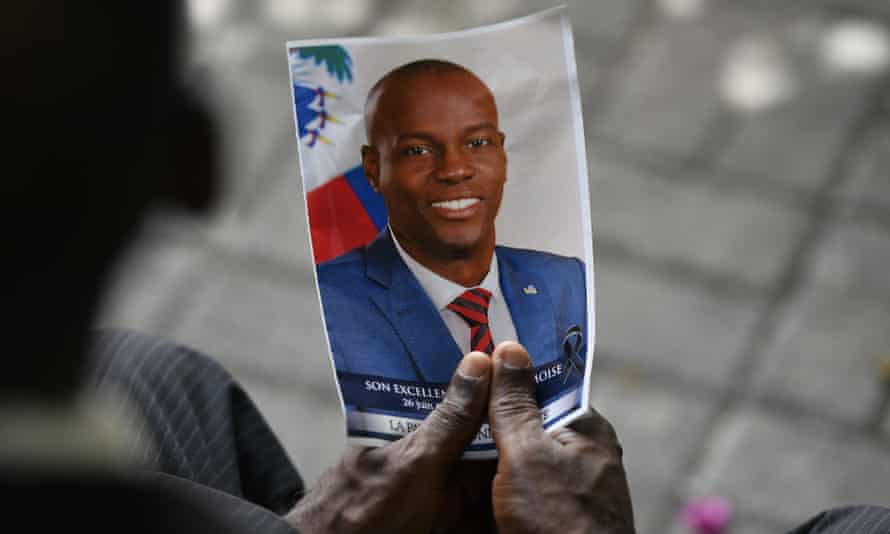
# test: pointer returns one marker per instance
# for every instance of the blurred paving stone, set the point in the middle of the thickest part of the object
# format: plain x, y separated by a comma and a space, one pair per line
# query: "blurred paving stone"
656, 428
412, 17
273, 223
307, 19
664, 326
855, 257
471, 13
886, 427
868, 180
797, 142
603, 19
826, 354
666, 92
251, 39
739, 524
268, 328
732, 233
147, 283
875, 7
254, 116
310, 425
790, 469
593, 65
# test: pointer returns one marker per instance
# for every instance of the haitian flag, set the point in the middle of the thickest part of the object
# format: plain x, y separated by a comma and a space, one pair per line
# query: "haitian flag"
344, 211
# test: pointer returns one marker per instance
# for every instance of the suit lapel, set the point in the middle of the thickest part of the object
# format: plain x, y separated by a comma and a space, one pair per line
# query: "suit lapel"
430, 348
531, 309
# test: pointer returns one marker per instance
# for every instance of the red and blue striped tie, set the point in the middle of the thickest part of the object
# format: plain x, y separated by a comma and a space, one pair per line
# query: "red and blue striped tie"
472, 306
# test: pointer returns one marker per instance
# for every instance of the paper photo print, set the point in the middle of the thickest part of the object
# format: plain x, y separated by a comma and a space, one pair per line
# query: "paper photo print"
445, 181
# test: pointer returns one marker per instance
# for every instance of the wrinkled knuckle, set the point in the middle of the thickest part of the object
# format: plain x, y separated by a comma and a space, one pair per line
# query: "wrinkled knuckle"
586, 447
607, 469
446, 421
354, 518
613, 470
564, 434
609, 450
463, 389
367, 460
413, 456
536, 453
349, 519
455, 412
513, 401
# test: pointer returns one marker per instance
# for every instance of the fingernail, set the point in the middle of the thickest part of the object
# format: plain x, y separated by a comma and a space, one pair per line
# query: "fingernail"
514, 356
474, 365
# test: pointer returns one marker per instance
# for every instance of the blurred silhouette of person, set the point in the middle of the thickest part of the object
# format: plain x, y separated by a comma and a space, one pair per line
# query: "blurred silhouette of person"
102, 127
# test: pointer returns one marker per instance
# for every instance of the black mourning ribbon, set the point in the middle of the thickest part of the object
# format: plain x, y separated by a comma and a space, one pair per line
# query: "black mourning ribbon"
571, 347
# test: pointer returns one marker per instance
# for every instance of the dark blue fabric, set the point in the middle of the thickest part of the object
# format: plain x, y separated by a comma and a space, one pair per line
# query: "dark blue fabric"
206, 429
381, 322
848, 520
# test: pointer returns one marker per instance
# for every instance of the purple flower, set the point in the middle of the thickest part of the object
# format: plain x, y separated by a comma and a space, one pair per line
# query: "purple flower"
708, 515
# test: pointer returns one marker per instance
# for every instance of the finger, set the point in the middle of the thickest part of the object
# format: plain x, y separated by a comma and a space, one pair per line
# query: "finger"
592, 428
456, 420
598, 428
512, 409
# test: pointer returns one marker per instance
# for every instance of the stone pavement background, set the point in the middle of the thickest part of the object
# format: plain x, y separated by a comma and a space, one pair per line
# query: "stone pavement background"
742, 241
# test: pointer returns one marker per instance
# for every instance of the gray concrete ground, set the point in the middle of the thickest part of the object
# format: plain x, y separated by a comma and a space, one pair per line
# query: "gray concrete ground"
741, 258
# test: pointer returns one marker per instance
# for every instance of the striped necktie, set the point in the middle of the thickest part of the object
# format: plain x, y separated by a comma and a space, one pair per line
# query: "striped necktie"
472, 306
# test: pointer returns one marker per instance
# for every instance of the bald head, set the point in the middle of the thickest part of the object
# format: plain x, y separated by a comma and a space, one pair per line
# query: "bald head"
389, 96
436, 155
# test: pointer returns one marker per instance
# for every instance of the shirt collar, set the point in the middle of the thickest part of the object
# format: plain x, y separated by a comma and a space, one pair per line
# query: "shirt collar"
441, 290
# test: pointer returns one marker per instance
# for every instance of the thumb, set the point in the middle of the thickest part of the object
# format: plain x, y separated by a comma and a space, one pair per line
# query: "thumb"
512, 409
456, 420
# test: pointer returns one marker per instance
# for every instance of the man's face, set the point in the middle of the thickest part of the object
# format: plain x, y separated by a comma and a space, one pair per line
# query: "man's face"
438, 160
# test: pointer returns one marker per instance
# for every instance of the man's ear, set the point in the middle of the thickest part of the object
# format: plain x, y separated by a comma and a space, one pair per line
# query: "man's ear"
503, 137
371, 166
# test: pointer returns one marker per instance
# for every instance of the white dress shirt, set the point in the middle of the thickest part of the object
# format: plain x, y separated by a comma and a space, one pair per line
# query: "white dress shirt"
443, 291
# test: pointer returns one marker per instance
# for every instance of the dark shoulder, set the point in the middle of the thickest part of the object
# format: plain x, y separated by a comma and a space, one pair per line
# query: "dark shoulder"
123, 501
115, 353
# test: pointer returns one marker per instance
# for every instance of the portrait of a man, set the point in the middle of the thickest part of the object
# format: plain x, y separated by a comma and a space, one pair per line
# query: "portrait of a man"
435, 284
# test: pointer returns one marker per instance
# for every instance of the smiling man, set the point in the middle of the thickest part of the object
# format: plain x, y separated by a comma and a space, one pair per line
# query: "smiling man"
433, 285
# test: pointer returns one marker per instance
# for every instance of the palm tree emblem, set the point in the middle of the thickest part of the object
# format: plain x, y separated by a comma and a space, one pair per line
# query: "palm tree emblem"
310, 98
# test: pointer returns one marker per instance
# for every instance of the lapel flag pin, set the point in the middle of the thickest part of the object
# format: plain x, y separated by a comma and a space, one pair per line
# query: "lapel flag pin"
530, 290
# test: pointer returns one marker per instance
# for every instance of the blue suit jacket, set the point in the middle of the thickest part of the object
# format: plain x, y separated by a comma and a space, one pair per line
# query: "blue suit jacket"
381, 322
